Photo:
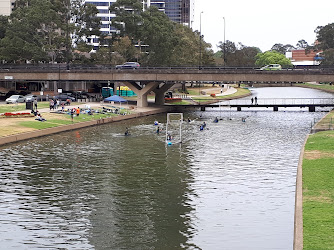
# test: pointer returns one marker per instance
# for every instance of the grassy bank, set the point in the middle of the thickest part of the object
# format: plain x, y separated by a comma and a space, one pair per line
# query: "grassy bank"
16, 125
318, 191
325, 87
20, 107
241, 92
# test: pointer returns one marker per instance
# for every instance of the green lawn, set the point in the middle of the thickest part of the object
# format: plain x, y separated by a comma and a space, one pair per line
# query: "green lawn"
240, 92
324, 86
64, 119
22, 107
318, 191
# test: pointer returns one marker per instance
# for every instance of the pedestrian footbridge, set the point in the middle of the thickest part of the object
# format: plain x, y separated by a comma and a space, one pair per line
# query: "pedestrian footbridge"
275, 103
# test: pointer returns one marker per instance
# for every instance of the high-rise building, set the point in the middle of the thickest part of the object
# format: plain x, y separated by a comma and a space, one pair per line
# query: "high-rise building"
180, 11
6, 7
106, 18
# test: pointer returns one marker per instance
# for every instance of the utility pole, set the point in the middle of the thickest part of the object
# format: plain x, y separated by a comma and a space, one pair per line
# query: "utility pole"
224, 49
200, 41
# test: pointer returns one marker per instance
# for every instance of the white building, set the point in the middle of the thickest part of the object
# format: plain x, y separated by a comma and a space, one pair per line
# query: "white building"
6, 7
106, 17
180, 11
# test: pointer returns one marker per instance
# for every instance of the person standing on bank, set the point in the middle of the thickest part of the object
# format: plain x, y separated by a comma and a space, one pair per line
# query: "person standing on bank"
35, 104
78, 111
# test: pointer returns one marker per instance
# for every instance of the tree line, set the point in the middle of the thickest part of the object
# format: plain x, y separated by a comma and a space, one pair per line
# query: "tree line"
56, 31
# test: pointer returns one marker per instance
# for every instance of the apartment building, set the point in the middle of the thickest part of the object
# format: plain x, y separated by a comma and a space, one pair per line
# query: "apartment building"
180, 11
6, 7
106, 17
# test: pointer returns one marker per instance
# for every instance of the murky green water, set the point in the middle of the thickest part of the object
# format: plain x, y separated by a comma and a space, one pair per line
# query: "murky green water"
230, 186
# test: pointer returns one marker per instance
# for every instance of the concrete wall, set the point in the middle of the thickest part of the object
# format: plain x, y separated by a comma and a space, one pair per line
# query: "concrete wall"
172, 76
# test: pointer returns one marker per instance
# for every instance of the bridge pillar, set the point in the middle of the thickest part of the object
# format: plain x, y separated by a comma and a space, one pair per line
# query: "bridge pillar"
142, 92
275, 108
238, 108
55, 87
311, 108
160, 93
203, 108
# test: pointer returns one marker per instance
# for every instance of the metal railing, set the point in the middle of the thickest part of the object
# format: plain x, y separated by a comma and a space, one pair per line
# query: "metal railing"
282, 101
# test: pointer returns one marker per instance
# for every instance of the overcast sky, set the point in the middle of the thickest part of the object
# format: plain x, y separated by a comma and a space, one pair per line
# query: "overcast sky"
262, 23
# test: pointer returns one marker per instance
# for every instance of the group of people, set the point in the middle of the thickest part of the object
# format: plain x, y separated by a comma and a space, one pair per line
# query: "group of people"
254, 100
75, 111
55, 104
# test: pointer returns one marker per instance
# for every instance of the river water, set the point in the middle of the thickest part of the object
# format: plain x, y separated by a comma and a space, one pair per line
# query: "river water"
231, 186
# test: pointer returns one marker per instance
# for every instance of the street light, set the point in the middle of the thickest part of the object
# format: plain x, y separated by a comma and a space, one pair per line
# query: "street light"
200, 40
224, 49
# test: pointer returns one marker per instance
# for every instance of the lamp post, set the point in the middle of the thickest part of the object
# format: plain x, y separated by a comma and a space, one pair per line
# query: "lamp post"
200, 40
224, 49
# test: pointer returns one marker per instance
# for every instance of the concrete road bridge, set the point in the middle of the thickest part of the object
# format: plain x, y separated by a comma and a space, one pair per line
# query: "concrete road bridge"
144, 80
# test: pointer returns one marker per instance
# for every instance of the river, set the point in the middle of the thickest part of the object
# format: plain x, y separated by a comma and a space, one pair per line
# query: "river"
231, 186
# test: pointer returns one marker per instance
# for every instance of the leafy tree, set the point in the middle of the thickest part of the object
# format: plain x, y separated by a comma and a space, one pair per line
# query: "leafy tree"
272, 57
157, 31
302, 44
187, 48
282, 48
125, 50
3, 26
238, 55
325, 37
128, 17
23, 40
40, 30
328, 56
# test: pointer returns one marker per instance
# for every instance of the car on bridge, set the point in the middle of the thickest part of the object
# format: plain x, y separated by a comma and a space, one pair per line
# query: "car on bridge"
128, 65
272, 67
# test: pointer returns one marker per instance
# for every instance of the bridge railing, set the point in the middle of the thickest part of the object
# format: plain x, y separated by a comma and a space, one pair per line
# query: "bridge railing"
106, 67
323, 124
281, 101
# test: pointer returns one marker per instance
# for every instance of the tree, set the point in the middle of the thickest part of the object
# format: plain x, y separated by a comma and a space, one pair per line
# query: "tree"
128, 17
328, 56
157, 31
282, 48
186, 50
272, 57
40, 30
238, 55
3, 26
302, 44
325, 37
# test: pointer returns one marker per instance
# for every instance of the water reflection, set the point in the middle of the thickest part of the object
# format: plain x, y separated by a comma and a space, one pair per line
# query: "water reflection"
230, 186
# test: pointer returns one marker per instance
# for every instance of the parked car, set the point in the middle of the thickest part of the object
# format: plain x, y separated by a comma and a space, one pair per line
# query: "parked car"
15, 99
128, 65
272, 67
64, 97
31, 98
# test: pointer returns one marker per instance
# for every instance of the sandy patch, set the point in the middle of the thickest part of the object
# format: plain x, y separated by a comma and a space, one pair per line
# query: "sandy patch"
10, 126
316, 154
323, 197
